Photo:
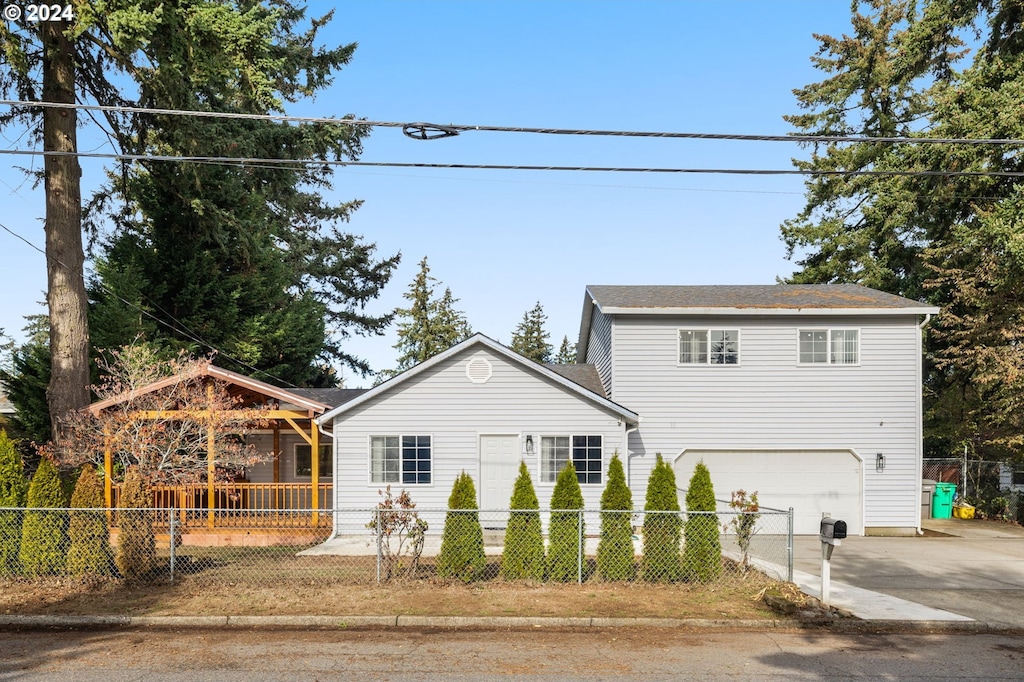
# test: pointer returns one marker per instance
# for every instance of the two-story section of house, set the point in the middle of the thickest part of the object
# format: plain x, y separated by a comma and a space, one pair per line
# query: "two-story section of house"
809, 395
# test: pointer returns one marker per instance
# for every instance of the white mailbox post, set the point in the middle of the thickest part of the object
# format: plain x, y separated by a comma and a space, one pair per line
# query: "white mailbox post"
831, 534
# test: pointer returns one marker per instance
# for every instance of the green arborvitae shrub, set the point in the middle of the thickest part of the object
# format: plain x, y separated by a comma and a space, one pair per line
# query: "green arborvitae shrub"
662, 561
615, 555
12, 494
462, 542
136, 545
702, 557
524, 539
44, 534
89, 553
567, 529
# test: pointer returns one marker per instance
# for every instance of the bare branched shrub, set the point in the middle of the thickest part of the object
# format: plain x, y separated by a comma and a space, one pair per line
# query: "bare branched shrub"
400, 533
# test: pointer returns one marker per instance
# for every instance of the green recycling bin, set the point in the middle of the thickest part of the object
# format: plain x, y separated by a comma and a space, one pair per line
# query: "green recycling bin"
942, 500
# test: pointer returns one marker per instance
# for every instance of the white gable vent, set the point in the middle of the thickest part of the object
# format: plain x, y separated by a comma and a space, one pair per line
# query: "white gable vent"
478, 370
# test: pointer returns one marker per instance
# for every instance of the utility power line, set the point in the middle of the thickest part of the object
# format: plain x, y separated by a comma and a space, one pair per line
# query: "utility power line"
431, 131
293, 163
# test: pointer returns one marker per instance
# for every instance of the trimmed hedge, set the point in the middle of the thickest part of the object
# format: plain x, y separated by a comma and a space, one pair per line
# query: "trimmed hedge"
702, 556
136, 544
90, 552
12, 494
615, 555
661, 561
44, 534
523, 557
567, 528
462, 542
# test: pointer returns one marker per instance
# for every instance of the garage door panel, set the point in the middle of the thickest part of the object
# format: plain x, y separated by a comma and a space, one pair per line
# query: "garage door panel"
812, 482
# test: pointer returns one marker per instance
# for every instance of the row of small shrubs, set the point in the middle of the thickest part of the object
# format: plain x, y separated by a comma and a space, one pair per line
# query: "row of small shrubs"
38, 542
664, 557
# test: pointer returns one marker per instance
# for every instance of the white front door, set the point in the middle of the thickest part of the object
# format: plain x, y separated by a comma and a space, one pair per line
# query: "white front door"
499, 466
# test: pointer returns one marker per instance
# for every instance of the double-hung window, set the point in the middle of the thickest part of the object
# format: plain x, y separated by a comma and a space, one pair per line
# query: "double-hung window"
709, 346
829, 346
585, 453
304, 460
400, 459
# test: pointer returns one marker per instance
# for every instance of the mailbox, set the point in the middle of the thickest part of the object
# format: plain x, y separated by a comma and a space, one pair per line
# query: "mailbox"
832, 529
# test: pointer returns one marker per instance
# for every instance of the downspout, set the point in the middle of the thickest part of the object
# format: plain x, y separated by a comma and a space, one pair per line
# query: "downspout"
920, 412
629, 455
334, 477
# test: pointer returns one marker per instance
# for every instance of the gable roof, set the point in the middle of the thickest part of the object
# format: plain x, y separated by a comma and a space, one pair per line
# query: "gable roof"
239, 384
582, 374
480, 340
777, 297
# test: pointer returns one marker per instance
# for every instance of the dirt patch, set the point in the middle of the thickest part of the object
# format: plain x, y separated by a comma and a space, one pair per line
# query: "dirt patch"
737, 601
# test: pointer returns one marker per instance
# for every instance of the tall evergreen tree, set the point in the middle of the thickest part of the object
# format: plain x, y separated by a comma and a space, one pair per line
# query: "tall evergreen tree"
702, 554
566, 353
429, 325
567, 529
615, 554
523, 556
530, 338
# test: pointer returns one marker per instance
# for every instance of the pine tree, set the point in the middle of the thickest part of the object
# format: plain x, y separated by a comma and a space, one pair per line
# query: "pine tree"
662, 561
524, 540
566, 353
702, 556
615, 555
136, 545
12, 494
429, 325
462, 542
530, 339
44, 534
90, 552
567, 528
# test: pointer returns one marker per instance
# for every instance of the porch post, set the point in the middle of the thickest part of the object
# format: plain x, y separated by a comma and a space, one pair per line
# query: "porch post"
211, 471
314, 474
108, 473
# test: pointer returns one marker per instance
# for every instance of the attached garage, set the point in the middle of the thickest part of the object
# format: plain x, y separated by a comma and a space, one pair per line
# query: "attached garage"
812, 482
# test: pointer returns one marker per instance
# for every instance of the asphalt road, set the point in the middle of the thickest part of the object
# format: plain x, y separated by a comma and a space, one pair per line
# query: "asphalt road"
565, 655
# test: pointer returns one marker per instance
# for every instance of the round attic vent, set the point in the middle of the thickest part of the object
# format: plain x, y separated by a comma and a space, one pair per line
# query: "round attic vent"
478, 370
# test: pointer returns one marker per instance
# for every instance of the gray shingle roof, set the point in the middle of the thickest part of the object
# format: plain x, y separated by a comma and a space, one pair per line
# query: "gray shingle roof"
783, 296
330, 396
584, 375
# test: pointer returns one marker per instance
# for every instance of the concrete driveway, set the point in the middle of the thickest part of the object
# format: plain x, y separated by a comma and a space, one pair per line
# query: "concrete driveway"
969, 567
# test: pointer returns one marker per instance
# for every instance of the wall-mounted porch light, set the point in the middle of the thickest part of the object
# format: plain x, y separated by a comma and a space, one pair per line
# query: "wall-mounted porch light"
879, 462
529, 445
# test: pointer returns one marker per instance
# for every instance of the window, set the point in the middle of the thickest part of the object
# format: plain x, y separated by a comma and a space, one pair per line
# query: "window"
304, 460
585, 452
400, 459
709, 346
829, 346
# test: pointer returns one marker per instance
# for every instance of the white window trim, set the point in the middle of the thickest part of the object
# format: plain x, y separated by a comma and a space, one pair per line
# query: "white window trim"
739, 346
308, 477
369, 462
828, 340
540, 459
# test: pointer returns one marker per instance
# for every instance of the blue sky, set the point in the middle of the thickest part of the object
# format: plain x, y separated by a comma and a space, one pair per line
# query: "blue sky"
502, 240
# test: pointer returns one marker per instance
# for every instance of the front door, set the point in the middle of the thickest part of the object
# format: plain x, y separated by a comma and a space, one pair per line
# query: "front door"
499, 466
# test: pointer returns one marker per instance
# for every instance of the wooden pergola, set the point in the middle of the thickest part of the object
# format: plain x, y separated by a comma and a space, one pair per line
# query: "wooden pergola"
282, 408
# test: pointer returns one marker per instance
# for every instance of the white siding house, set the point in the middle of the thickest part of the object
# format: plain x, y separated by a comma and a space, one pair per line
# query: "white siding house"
809, 395
480, 408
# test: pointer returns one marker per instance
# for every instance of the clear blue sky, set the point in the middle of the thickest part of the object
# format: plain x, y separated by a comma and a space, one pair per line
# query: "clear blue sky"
503, 240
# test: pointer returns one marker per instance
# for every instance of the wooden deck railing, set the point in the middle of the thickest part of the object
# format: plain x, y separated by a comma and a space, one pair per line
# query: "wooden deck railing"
242, 505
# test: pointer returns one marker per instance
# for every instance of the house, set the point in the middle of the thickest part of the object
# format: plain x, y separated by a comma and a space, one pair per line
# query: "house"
808, 394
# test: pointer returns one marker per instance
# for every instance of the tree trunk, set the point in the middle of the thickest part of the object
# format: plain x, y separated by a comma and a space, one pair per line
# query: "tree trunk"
66, 297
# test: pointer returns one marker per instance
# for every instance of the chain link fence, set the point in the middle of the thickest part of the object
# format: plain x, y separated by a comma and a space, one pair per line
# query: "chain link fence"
371, 546
982, 483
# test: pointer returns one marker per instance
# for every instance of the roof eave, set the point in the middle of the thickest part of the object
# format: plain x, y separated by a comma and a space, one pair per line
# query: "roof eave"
922, 310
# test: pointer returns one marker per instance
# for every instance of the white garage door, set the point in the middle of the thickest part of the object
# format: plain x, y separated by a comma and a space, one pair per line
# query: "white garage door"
811, 482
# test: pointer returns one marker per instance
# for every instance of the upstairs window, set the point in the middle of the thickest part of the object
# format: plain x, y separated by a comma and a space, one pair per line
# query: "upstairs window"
709, 346
829, 346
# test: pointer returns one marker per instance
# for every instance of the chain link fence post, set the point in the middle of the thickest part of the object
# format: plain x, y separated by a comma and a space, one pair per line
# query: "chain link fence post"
789, 546
172, 528
376, 523
579, 546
